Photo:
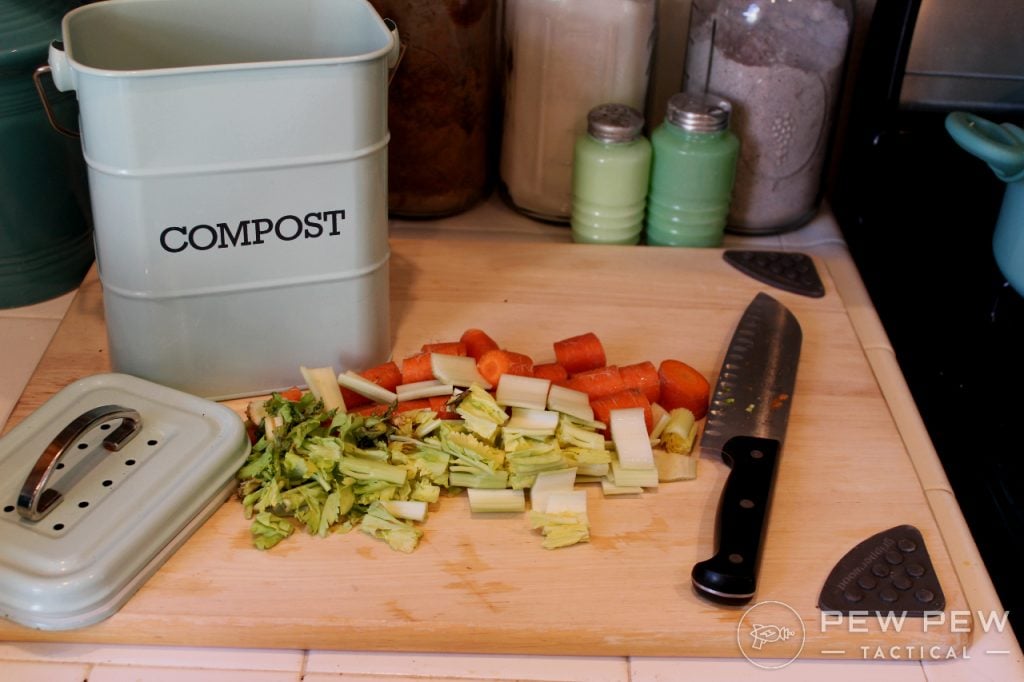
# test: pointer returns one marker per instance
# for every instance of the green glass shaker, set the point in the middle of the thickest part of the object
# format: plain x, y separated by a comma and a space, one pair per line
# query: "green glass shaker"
611, 169
692, 172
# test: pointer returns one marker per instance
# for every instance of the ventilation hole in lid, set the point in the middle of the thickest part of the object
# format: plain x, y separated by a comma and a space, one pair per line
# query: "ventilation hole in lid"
60, 465
83, 504
129, 462
105, 427
82, 446
107, 483
9, 508
152, 442
58, 526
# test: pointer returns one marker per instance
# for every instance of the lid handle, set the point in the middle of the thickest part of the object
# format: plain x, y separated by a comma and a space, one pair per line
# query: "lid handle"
36, 500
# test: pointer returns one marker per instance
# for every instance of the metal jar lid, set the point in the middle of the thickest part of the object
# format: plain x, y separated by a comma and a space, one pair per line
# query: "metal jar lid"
697, 113
614, 123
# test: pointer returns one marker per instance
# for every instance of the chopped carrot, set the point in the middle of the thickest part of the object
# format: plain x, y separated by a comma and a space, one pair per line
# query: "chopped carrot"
445, 348
371, 410
407, 405
494, 363
386, 375
630, 397
643, 375
580, 353
683, 386
477, 342
599, 382
293, 394
439, 404
417, 368
552, 371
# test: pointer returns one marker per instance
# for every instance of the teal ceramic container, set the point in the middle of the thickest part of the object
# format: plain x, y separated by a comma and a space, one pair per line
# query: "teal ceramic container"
45, 233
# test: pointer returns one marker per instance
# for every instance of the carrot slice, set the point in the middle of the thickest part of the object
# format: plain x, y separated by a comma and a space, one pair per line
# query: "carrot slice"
580, 353
644, 376
552, 371
417, 368
445, 348
407, 405
494, 363
292, 394
477, 342
439, 404
630, 397
683, 386
371, 410
599, 382
386, 375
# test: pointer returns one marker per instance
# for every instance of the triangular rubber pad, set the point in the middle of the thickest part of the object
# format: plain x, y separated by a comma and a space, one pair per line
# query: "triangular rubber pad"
890, 572
787, 270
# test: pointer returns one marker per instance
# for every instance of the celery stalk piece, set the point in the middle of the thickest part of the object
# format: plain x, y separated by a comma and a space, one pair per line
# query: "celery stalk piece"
487, 501
517, 391
661, 417
457, 370
632, 442
423, 389
593, 470
567, 501
608, 487
680, 431
476, 402
323, 384
413, 510
527, 418
366, 388
547, 482
675, 467
644, 478
571, 402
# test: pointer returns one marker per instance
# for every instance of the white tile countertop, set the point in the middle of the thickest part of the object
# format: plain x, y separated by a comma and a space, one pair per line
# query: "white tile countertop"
994, 655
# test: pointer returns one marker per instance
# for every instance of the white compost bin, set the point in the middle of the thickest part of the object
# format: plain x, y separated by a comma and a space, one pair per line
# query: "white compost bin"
237, 165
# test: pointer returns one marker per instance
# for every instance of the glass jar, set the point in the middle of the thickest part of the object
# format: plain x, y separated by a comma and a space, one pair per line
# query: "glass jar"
441, 106
563, 59
692, 173
780, 64
611, 168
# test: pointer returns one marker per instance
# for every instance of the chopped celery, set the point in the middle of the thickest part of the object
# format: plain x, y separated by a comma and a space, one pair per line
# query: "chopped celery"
674, 467
644, 478
518, 391
608, 487
567, 501
457, 370
323, 384
572, 433
380, 523
571, 402
493, 501
527, 418
366, 388
423, 389
680, 431
560, 530
547, 482
366, 469
593, 470
413, 510
477, 403
661, 417
632, 443
465, 477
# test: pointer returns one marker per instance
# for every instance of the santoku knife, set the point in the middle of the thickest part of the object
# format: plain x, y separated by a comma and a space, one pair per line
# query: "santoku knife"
746, 425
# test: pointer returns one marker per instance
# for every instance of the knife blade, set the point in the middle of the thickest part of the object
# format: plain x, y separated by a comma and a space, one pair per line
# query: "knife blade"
746, 425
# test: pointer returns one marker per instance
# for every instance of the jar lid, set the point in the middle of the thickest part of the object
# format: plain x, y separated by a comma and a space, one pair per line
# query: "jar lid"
614, 123
698, 113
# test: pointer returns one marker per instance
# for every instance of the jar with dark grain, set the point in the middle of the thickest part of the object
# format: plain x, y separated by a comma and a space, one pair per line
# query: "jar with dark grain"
441, 106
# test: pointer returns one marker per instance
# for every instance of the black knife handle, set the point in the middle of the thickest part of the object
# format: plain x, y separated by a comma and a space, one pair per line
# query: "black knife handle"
730, 576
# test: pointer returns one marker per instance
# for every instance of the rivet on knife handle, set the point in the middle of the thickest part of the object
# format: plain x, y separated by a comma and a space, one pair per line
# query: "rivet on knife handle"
730, 576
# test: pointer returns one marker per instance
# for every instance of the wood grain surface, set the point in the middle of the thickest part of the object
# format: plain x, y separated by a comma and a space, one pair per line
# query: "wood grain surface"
480, 584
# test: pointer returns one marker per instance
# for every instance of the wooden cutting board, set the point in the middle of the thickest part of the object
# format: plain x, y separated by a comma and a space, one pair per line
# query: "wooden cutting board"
485, 584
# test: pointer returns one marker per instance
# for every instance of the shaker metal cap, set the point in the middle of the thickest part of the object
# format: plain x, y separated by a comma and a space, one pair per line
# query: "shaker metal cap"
698, 113
614, 123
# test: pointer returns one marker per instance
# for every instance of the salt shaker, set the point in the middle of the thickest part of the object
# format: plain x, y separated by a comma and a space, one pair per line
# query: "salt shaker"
562, 59
692, 173
780, 64
611, 168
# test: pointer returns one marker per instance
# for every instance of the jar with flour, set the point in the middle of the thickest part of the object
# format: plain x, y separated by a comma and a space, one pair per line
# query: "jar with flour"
781, 66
